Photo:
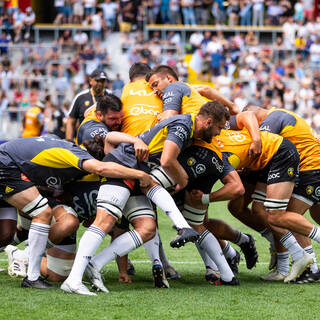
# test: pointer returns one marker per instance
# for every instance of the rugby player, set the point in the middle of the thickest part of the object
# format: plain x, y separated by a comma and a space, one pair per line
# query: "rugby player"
305, 195
46, 162
165, 140
86, 99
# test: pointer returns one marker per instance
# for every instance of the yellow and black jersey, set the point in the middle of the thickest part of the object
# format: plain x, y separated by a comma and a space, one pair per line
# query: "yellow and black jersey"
45, 161
91, 127
182, 98
294, 128
237, 144
141, 107
178, 129
33, 122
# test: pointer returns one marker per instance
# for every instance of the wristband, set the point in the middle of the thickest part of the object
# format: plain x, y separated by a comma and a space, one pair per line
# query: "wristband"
205, 198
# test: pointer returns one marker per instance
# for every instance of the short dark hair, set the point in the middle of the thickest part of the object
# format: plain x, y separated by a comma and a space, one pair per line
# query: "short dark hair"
109, 102
95, 147
214, 110
138, 69
163, 70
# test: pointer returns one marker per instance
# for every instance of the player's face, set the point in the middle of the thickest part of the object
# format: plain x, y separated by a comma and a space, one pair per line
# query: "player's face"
212, 129
98, 86
158, 83
113, 120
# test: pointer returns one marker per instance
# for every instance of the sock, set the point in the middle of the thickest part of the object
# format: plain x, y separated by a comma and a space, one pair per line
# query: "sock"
210, 244
208, 263
267, 233
314, 267
290, 242
241, 238
164, 201
152, 248
22, 255
283, 262
315, 234
164, 260
88, 245
38, 236
228, 251
50, 244
119, 247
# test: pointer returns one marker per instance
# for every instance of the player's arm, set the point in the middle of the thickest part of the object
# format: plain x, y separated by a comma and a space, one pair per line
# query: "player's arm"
172, 99
212, 94
171, 165
114, 138
115, 170
249, 120
71, 123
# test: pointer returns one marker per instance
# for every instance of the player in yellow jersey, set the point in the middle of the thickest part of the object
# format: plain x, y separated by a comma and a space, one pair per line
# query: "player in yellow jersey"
278, 162
179, 97
33, 121
306, 194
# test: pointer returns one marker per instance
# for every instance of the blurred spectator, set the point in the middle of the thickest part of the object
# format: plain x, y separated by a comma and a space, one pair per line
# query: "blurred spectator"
306, 96
117, 85
251, 39
315, 54
188, 12
65, 41
34, 120
78, 11
89, 7
80, 39
233, 12
245, 12
289, 33
12, 6
273, 12
4, 43
165, 11
97, 25
175, 17
126, 16
18, 23
308, 9
28, 22
59, 8
298, 11
219, 11
110, 10
153, 8
258, 12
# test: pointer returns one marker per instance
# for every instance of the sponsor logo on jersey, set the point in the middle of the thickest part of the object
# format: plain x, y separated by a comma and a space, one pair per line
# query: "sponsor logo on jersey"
265, 127
53, 181
168, 95
191, 161
86, 103
317, 192
273, 176
8, 189
217, 164
200, 168
309, 190
290, 172
143, 109
181, 133
227, 125
140, 93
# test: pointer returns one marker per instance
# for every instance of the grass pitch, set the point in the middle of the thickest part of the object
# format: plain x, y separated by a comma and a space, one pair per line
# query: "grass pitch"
188, 298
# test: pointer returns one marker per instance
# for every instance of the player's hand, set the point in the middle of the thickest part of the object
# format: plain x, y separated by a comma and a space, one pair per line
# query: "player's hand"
141, 150
145, 180
181, 185
196, 195
255, 149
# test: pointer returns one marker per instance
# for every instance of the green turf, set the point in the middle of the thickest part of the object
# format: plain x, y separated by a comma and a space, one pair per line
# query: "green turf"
188, 298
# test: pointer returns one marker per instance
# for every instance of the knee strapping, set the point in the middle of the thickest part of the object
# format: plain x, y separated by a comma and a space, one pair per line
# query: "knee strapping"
258, 196
193, 215
162, 178
36, 206
137, 207
276, 204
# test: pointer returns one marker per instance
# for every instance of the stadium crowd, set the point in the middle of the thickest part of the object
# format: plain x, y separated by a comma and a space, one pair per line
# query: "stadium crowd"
42, 78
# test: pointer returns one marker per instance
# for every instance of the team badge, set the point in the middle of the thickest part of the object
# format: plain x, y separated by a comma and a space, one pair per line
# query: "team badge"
309, 190
86, 103
191, 161
290, 172
200, 168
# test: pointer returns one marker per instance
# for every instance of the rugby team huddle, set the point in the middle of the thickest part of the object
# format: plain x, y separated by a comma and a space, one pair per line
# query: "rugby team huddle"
164, 144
